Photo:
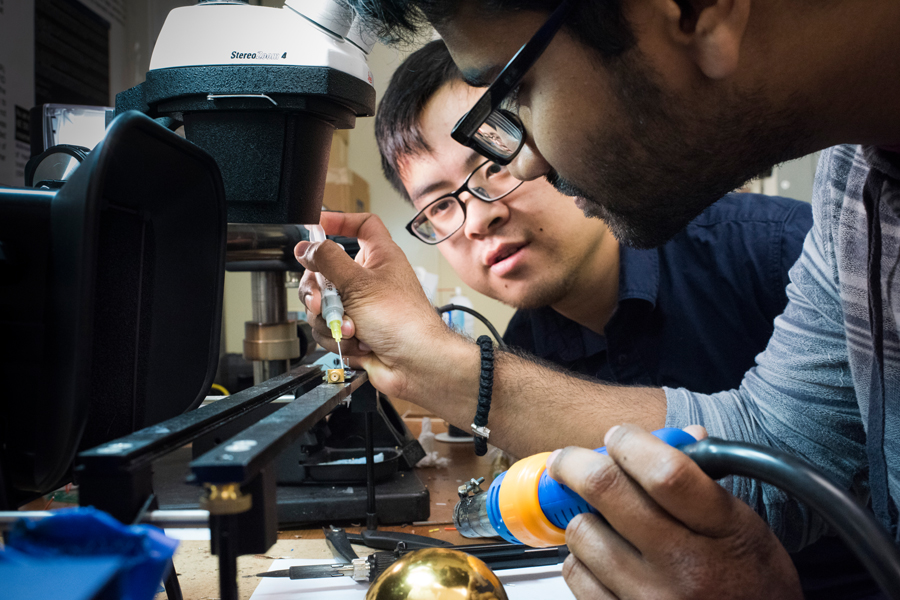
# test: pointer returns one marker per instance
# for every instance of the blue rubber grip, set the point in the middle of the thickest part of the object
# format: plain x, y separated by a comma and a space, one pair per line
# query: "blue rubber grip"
559, 503
493, 511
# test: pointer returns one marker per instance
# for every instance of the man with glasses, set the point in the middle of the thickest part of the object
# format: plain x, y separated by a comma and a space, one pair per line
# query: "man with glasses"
666, 316
648, 112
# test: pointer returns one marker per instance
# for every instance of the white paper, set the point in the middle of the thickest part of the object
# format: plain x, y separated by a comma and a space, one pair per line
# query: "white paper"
187, 534
520, 584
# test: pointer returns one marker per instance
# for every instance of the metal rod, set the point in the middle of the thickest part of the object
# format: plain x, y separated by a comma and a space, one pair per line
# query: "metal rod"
166, 519
227, 549
269, 297
371, 517
269, 306
264, 241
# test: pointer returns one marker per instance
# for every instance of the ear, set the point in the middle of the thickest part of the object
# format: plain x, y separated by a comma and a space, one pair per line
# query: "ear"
711, 31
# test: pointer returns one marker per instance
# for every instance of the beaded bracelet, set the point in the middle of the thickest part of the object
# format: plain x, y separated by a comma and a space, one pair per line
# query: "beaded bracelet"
485, 389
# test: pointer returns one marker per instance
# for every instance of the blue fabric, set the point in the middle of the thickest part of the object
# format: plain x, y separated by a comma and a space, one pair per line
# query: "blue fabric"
72, 535
811, 392
26, 578
693, 313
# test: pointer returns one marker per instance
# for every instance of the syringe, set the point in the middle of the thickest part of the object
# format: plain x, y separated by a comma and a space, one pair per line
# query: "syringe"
332, 307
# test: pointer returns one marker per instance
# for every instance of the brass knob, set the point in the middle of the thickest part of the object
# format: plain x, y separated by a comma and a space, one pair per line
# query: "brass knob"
225, 499
437, 574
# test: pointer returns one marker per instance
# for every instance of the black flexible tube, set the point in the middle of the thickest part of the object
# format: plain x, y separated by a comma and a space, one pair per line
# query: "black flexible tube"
853, 523
477, 315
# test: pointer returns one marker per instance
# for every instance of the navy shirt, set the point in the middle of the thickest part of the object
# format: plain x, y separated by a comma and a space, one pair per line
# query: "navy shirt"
692, 313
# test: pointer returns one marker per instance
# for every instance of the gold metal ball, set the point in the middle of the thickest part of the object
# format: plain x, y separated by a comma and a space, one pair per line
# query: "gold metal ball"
437, 574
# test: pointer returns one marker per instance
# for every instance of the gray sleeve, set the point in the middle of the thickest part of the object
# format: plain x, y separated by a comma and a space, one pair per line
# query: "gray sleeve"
800, 396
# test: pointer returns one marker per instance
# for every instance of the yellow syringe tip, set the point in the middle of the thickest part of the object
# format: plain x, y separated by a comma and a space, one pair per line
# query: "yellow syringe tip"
335, 327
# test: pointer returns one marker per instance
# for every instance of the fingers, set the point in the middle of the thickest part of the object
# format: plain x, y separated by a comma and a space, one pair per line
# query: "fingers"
329, 259
375, 242
310, 295
674, 481
582, 582
359, 225
608, 557
609, 489
350, 346
348, 328
698, 431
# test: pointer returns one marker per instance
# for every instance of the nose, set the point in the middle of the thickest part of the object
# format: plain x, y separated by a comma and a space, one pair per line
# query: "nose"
528, 164
483, 217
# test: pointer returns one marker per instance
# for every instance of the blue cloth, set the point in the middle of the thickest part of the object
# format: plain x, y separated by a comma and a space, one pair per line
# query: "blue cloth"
74, 545
692, 313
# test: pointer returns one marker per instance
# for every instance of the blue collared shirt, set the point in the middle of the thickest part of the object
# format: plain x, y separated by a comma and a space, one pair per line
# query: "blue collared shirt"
692, 313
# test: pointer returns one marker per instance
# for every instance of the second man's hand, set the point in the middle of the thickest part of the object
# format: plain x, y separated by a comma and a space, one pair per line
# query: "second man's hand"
670, 532
390, 328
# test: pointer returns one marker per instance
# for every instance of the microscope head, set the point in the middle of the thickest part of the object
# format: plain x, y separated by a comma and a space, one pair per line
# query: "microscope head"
261, 90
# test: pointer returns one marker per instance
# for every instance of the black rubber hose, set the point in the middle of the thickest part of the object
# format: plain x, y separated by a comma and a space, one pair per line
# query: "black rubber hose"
477, 315
852, 522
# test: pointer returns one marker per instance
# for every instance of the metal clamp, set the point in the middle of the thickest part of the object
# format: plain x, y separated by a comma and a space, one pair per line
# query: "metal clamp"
481, 431
225, 499
473, 487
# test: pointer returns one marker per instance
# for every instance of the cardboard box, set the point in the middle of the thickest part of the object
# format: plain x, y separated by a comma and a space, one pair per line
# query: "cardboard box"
359, 194
340, 150
345, 191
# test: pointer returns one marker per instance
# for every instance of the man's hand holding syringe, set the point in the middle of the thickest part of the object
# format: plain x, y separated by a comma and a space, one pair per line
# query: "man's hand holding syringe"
332, 308
389, 328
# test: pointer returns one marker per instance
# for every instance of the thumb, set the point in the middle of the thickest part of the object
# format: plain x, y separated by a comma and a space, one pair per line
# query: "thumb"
330, 260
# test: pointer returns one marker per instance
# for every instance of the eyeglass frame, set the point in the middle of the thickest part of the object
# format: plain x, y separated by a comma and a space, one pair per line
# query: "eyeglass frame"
511, 76
455, 195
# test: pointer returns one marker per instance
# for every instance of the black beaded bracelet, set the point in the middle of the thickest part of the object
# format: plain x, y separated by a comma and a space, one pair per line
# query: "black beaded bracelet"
485, 389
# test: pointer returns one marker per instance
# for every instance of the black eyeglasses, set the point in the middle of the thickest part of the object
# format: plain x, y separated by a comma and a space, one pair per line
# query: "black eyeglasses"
442, 218
494, 132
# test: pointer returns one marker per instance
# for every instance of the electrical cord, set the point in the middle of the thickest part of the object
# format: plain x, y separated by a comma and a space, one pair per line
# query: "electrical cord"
856, 526
477, 315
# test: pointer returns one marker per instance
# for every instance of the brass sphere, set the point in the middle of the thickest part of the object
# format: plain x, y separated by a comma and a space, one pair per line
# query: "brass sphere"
437, 574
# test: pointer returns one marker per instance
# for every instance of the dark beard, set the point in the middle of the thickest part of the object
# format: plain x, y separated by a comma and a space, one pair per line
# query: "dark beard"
653, 174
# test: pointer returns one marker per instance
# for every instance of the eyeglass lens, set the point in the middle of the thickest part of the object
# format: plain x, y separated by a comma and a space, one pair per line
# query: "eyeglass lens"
443, 217
499, 135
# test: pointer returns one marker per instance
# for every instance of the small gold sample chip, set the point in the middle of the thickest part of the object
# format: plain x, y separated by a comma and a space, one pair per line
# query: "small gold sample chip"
334, 375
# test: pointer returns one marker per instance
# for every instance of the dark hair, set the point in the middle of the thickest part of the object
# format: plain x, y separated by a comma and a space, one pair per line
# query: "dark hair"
413, 84
599, 24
